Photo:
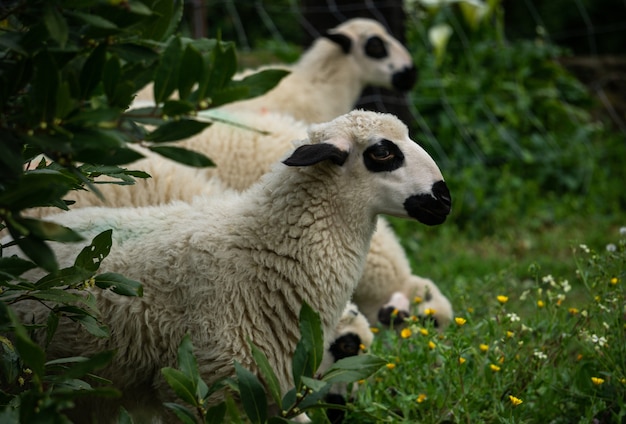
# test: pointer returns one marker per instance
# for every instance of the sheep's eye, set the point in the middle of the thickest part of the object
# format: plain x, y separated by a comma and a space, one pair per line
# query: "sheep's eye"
375, 47
384, 156
381, 153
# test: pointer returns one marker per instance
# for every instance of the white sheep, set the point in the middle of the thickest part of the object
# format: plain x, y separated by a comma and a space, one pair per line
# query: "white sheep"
330, 76
226, 269
242, 155
388, 285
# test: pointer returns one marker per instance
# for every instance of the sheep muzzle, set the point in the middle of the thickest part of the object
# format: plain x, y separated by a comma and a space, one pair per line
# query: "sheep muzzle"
430, 208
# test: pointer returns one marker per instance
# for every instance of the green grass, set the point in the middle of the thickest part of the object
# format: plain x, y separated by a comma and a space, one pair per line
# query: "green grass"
544, 343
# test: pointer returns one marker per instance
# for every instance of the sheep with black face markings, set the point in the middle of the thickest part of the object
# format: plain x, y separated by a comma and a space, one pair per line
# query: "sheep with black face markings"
330, 77
226, 269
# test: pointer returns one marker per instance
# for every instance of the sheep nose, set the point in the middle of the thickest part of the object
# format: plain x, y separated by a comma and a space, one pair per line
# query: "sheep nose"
430, 208
405, 79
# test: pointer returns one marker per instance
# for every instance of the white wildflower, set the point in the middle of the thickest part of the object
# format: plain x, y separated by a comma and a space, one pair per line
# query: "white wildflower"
584, 248
513, 317
539, 354
565, 286
611, 247
548, 279
622, 231
600, 341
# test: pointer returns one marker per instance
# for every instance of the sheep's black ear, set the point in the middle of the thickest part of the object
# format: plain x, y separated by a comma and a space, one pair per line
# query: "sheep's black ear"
310, 154
343, 40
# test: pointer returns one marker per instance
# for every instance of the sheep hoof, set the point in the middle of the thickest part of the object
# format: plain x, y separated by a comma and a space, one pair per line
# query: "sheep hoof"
391, 316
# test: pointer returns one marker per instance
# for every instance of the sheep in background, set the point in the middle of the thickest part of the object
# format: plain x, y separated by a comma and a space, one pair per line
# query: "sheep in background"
329, 78
226, 269
388, 284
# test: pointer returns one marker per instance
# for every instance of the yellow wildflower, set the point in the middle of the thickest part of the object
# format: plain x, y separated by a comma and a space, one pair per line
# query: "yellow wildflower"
470, 309
573, 311
614, 280
494, 367
406, 333
541, 303
429, 312
515, 401
417, 299
362, 347
374, 330
503, 299
460, 321
461, 360
510, 334
579, 357
483, 347
391, 366
597, 380
431, 345
421, 398
424, 331
501, 360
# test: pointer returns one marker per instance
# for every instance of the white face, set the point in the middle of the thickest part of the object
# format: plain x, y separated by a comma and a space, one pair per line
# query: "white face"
409, 182
382, 59
386, 170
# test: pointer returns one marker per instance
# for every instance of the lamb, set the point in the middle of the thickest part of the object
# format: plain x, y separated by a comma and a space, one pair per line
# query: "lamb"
242, 156
225, 269
388, 285
329, 77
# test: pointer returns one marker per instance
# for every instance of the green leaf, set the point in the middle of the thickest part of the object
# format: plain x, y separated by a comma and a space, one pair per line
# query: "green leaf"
93, 20
52, 323
55, 24
261, 82
124, 417
215, 414
177, 107
166, 75
252, 394
314, 383
353, 368
32, 355
176, 130
191, 70
310, 348
36, 188
42, 98
119, 284
183, 156
15, 266
85, 366
182, 385
63, 277
183, 414
91, 325
37, 250
91, 73
312, 335
47, 230
267, 373
188, 365
91, 256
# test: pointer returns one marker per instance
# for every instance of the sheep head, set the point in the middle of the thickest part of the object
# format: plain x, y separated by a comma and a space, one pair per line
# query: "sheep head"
378, 160
381, 59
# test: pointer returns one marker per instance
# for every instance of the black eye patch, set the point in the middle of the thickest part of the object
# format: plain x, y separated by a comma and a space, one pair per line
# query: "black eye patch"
384, 156
375, 47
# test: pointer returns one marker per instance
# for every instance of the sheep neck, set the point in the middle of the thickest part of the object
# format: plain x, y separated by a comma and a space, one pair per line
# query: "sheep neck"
314, 230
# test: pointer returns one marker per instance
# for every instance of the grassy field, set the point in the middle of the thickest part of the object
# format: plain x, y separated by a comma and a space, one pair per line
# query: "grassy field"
539, 335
